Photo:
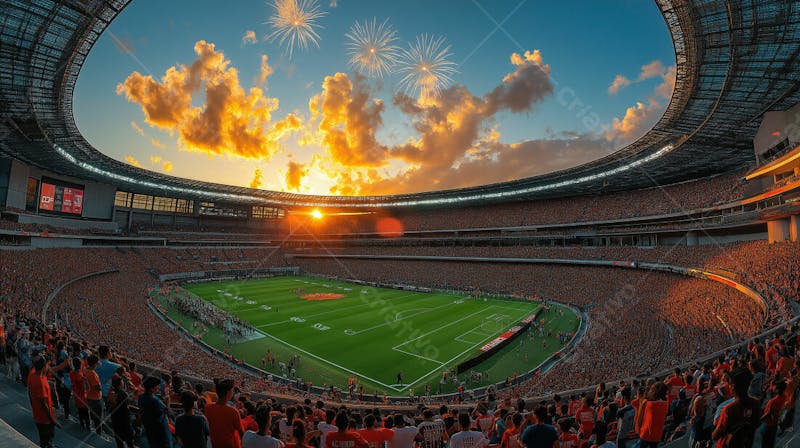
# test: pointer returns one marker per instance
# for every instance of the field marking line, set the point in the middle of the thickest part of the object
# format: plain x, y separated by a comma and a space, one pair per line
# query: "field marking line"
398, 320
333, 311
479, 333
449, 361
444, 326
419, 356
319, 358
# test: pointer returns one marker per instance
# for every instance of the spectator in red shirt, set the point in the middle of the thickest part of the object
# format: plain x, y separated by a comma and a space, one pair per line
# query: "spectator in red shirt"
654, 415
42, 402
224, 420
772, 413
738, 420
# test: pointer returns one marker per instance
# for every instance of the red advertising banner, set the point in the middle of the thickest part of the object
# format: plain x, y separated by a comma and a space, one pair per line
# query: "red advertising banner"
62, 199
47, 197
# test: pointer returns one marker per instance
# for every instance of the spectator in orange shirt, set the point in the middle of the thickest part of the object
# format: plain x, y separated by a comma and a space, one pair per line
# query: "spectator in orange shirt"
654, 415
373, 435
344, 438
42, 402
224, 420
94, 394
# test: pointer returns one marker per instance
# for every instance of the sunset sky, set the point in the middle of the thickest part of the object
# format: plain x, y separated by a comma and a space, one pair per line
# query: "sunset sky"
196, 89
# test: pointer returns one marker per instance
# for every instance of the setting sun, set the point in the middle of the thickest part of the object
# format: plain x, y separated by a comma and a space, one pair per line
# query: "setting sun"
316, 214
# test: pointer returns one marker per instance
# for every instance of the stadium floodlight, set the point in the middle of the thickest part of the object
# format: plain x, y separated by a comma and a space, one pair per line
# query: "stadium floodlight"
360, 204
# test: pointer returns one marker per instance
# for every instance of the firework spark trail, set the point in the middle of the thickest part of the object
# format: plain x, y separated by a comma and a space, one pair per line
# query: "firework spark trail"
293, 24
425, 67
371, 47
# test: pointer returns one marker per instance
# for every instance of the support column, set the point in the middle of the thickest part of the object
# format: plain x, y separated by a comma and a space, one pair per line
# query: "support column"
794, 228
778, 231
691, 238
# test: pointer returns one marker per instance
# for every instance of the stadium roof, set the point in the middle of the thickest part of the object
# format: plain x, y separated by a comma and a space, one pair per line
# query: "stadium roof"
735, 60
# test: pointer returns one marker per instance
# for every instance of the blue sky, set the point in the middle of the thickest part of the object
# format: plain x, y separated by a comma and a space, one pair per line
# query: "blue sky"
584, 43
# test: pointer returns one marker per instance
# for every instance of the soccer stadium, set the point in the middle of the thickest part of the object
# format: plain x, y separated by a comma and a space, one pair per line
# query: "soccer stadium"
413, 265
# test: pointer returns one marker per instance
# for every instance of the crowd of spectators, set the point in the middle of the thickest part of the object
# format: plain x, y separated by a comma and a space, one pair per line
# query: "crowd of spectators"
666, 319
677, 198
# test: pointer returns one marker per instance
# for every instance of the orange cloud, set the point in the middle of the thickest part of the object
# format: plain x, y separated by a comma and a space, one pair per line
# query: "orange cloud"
348, 119
249, 37
294, 175
232, 121
257, 181
132, 161
155, 159
455, 133
619, 83
137, 128
641, 117
166, 166
265, 70
157, 143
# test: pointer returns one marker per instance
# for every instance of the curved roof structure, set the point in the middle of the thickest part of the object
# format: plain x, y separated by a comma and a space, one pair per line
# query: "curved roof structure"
736, 59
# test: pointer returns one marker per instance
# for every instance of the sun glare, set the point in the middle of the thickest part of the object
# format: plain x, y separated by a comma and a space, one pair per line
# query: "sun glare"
316, 214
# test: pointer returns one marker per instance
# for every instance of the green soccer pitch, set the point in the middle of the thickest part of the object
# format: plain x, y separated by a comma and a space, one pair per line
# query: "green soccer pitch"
374, 333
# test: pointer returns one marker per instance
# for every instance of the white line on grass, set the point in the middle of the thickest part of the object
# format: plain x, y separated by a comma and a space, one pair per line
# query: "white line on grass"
444, 326
419, 356
332, 363
338, 310
446, 362
427, 310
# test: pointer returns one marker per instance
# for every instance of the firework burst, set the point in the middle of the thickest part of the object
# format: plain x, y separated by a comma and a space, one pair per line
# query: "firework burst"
371, 47
294, 24
425, 67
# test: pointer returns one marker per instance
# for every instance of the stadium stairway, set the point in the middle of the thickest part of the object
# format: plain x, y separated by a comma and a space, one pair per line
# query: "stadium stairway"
18, 430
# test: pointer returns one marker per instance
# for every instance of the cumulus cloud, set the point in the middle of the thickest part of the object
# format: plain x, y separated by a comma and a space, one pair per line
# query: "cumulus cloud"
265, 70
619, 83
137, 128
643, 115
347, 119
295, 172
455, 133
249, 37
130, 160
166, 166
231, 121
157, 143
651, 70
257, 180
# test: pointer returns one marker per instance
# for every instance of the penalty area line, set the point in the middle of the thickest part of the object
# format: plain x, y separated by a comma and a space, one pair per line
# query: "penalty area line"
319, 358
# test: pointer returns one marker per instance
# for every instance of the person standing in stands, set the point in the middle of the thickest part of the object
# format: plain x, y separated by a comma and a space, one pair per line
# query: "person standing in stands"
738, 420
540, 434
404, 436
94, 394
118, 402
467, 438
261, 439
653, 416
191, 429
224, 421
772, 414
106, 368
42, 402
342, 437
78, 382
431, 431
154, 415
